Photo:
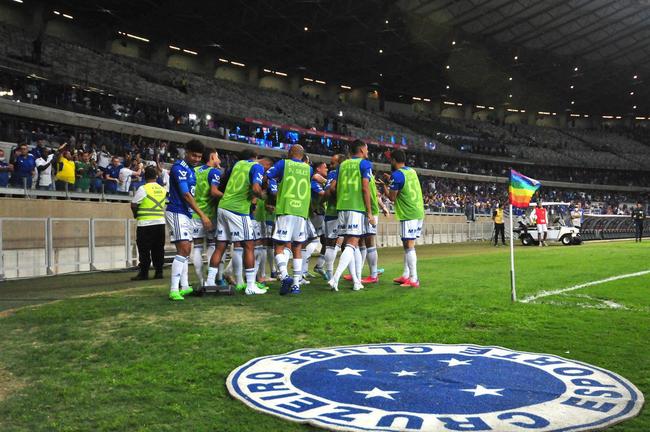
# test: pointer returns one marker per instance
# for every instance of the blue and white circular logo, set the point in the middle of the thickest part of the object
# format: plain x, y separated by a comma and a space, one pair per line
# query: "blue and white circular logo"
430, 387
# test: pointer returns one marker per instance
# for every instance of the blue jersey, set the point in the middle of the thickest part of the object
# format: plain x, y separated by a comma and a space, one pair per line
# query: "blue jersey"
24, 165
4, 174
397, 180
181, 181
331, 176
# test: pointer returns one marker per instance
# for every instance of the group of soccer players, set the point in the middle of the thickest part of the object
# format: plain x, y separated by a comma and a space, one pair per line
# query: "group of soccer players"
281, 213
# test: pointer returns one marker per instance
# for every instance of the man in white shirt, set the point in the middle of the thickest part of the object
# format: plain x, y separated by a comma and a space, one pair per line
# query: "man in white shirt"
103, 158
44, 168
125, 179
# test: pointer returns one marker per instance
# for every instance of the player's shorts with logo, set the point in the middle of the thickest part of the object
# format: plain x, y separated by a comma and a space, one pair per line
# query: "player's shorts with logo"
180, 226
318, 221
290, 228
199, 232
257, 229
234, 227
542, 228
371, 229
331, 227
410, 229
267, 229
352, 223
310, 230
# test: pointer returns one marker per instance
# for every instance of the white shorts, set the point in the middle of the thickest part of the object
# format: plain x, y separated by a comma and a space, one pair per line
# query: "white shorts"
267, 229
319, 224
370, 229
198, 231
233, 227
410, 229
352, 223
310, 230
257, 230
180, 226
542, 228
290, 228
332, 228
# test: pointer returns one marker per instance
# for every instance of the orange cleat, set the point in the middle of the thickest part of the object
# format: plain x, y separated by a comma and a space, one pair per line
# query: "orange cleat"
411, 284
347, 277
369, 280
400, 280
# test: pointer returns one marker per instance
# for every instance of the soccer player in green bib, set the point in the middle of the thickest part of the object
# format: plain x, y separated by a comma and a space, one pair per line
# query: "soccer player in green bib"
234, 223
293, 178
206, 195
354, 207
405, 191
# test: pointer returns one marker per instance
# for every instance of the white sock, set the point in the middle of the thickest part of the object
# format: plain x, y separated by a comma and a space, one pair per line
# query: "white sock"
270, 257
227, 270
297, 271
237, 265
320, 262
406, 272
250, 278
337, 249
185, 282
347, 258
412, 263
197, 260
330, 256
288, 253
212, 276
211, 247
281, 262
260, 262
372, 259
358, 266
307, 253
363, 251
177, 270
222, 268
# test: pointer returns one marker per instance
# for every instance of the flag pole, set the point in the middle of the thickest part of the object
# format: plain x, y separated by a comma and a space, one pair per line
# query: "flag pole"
513, 291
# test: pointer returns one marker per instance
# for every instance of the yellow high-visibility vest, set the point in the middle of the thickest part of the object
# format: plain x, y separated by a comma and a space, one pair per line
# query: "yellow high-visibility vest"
152, 207
498, 218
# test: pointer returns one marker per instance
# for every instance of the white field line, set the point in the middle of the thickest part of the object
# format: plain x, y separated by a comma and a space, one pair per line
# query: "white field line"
542, 294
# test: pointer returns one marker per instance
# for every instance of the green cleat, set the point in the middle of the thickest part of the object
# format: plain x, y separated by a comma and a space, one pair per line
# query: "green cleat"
261, 286
240, 287
186, 291
175, 296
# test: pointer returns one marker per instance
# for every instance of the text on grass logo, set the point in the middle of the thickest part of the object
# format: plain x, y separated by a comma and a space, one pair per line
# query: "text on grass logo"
429, 387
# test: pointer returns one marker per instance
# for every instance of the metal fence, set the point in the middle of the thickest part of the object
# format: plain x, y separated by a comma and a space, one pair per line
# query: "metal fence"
31, 247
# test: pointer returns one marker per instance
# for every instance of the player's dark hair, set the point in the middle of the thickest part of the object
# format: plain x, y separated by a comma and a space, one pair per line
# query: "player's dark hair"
194, 146
316, 165
356, 146
248, 154
207, 153
398, 156
150, 173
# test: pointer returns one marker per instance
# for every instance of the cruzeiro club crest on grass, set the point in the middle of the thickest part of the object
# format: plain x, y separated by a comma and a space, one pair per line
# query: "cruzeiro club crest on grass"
429, 387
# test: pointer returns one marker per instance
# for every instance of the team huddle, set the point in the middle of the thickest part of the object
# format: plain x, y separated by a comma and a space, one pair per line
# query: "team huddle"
282, 213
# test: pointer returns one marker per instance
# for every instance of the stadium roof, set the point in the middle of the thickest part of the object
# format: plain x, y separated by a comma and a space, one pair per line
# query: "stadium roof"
522, 53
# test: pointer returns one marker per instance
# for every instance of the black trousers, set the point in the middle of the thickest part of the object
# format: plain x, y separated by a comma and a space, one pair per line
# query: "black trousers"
151, 247
499, 228
639, 230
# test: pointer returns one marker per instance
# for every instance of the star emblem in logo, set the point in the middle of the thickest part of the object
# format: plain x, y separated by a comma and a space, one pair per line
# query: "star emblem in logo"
348, 371
404, 373
377, 392
452, 362
479, 390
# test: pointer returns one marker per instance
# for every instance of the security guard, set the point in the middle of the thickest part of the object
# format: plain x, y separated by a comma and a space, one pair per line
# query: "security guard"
148, 206
499, 226
638, 216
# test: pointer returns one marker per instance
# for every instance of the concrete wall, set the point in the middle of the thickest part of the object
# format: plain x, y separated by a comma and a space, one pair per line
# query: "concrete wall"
126, 48
274, 82
231, 73
14, 14
185, 62
398, 108
452, 112
39, 208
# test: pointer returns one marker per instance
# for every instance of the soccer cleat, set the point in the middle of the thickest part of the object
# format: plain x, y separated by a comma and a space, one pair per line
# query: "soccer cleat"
304, 281
261, 286
222, 283
334, 285
380, 271
328, 275
175, 296
285, 288
254, 291
411, 284
295, 289
240, 287
309, 275
321, 272
186, 291
347, 277
370, 280
357, 287
400, 280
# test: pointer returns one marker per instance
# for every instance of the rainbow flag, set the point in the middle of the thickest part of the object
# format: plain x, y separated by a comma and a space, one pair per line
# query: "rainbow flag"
521, 189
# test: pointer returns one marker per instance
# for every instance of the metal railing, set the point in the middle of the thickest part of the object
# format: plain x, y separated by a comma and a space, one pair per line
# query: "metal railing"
32, 247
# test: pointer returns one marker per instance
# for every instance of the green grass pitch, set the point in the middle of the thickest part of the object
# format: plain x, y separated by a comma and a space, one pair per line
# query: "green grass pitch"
94, 352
